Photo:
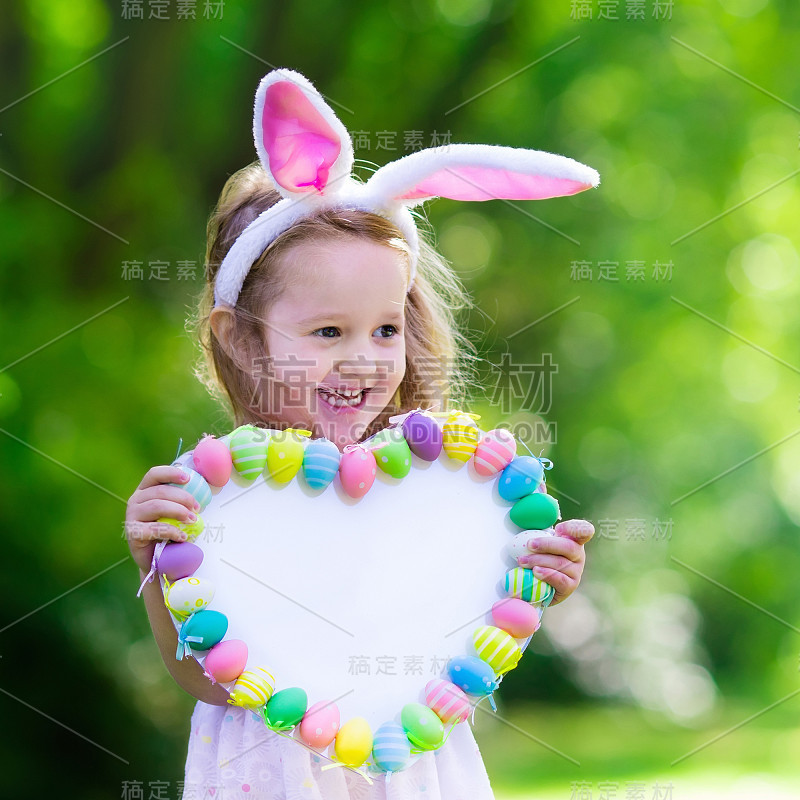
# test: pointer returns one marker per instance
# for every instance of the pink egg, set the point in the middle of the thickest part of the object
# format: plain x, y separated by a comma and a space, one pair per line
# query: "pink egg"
494, 452
320, 724
212, 459
516, 617
447, 700
226, 661
179, 560
357, 471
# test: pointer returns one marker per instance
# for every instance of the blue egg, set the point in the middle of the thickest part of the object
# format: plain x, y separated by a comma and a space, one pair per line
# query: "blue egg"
320, 463
471, 674
391, 748
201, 631
520, 478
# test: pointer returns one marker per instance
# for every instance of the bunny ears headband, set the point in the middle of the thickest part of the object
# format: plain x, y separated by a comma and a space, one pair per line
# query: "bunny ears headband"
308, 154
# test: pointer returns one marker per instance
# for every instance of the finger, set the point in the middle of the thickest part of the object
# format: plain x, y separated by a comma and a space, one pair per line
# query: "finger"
163, 491
557, 546
163, 474
579, 530
558, 563
561, 583
142, 532
151, 510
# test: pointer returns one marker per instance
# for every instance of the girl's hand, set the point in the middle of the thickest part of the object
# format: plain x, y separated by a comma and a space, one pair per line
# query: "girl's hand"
153, 499
559, 560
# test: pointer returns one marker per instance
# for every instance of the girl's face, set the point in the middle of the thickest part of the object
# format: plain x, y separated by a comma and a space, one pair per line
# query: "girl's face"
336, 338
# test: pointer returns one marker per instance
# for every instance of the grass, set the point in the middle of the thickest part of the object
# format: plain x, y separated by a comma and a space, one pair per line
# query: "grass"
637, 755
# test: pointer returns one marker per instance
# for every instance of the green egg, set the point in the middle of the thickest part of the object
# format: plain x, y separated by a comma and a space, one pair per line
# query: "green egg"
423, 728
392, 453
535, 512
286, 708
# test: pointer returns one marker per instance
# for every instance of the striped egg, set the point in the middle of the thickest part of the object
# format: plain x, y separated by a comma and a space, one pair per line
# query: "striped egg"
253, 688
285, 454
494, 452
460, 436
521, 477
423, 728
423, 434
320, 463
516, 617
447, 700
391, 451
248, 446
522, 583
188, 595
197, 486
472, 675
537, 511
357, 471
497, 648
518, 546
320, 724
391, 749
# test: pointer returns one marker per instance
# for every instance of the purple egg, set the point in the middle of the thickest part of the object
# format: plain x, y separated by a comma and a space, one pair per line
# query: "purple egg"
424, 436
179, 560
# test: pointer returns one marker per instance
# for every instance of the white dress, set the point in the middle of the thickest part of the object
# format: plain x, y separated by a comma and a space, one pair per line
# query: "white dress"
232, 754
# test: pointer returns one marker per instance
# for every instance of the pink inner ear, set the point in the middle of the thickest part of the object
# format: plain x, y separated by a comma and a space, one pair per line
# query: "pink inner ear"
485, 183
300, 144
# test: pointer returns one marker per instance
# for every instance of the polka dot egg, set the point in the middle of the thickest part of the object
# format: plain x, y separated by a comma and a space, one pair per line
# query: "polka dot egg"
188, 595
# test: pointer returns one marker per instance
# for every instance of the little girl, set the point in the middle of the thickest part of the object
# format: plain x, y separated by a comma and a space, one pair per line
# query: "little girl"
324, 310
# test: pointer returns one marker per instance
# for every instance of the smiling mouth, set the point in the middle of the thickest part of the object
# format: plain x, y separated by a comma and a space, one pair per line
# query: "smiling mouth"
343, 398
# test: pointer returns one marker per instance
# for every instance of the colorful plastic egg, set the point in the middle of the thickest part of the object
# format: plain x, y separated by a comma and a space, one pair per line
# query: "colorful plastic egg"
320, 463
285, 454
201, 631
286, 708
516, 617
212, 459
353, 742
472, 675
448, 701
357, 471
521, 477
537, 511
497, 648
191, 529
179, 560
391, 451
522, 583
423, 728
248, 446
197, 486
391, 750
188, 595
518, 545
423, 434
320, 724
460, 436
225, 661
494, 452
253, 688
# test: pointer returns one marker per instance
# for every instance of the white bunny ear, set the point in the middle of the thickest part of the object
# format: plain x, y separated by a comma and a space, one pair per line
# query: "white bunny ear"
480, 172
300, 141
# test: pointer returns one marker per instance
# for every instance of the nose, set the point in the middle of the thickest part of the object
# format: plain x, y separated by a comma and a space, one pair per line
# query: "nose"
357, 366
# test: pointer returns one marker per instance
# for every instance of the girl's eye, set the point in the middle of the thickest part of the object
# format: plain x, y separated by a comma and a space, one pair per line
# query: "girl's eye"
329, 332
386, 331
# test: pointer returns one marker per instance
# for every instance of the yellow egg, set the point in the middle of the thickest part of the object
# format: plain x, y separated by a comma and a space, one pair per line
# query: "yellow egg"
191, 529
460, 435
252, 688
353, 742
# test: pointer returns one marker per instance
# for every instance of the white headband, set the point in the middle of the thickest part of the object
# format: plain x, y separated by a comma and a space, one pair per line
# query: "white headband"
308, 154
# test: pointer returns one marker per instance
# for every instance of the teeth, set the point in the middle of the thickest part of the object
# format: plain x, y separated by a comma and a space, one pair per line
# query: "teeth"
342, 397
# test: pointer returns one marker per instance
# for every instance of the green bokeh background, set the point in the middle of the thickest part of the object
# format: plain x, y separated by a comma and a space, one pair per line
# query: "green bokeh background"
669, 379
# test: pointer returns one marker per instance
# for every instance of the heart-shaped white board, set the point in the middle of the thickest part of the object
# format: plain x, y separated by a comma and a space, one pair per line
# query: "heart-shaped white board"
360, 602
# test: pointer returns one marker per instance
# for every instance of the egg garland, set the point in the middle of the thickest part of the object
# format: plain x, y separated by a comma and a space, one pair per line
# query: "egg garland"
424, 723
